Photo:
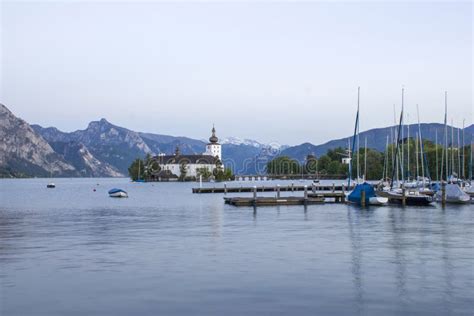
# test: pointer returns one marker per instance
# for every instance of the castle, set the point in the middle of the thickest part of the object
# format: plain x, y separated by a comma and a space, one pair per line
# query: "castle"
171, 167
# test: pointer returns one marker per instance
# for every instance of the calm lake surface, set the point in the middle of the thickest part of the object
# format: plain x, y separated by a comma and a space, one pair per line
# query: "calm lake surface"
165, 251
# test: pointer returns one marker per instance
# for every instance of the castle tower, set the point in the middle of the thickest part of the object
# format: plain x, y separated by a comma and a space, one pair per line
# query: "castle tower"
213, 148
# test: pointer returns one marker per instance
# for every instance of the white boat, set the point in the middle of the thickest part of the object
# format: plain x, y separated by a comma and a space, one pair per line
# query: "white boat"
469, 189
378, 200
51, 185
454, 194
119, 193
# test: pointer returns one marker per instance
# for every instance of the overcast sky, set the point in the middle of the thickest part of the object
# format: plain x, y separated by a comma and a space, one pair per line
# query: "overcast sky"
285, 72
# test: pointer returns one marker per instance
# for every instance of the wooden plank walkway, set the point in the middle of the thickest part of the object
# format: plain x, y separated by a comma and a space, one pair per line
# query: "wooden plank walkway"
309, 198
284, 188
272, 201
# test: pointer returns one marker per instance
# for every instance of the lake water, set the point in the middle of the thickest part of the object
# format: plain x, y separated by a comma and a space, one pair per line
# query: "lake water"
165, 251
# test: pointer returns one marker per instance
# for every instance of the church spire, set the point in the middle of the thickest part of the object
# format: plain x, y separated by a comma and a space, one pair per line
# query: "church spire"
213, 139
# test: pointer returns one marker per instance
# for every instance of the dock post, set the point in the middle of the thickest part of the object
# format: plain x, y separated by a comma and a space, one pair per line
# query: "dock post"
278, 191
225, 188
254, 195
404, 198
443, 193
362, 198
333, 187
313, 187
292, 187
305, 194
200, 182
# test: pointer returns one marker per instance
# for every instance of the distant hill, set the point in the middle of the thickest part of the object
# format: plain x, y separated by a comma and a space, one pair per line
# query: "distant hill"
376, 139
117, 147
25, 153
106, 150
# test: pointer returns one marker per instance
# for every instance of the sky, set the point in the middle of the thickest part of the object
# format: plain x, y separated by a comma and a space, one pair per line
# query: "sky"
284, 72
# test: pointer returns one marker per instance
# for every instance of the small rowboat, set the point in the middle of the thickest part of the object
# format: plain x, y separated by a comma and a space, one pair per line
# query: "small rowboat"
51, 185
119, 193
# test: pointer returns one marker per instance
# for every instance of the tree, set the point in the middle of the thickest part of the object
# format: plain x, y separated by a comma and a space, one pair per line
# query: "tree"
183, 169
204, 172
333, 167
311, 166
136, 169
323, 163
336, 154
223, 174
283, 165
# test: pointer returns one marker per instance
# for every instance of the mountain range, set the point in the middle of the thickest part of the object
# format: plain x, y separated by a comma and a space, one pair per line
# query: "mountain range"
106, 150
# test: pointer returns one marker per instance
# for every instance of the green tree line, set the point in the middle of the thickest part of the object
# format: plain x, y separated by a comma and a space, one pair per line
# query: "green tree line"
380, 164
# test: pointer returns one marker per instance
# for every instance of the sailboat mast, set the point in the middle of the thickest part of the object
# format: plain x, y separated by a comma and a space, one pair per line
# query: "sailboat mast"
394, 132
358, 135
463, 151
408, 146
416, 156
470, 162
396, 150
459, 157
452, 147
421, 146
138, 176
446, 131
436, 153
385, 164
365, 160
402, 162
353, 138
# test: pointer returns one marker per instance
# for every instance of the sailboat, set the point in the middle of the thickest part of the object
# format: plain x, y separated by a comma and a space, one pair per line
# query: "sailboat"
454, 194
397, 195
469, 188
138, 173
363, 189
51, 185
424, 182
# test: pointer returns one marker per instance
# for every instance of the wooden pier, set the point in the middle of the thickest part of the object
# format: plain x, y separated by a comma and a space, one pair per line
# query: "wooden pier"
285, 188
306, 199
272, 201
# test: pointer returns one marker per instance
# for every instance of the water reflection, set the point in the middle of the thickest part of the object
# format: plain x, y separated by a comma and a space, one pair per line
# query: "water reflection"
356, 253
166, 250
398, 228
447, 264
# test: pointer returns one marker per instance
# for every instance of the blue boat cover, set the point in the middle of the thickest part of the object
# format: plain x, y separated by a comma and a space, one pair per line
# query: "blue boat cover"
356, 194
435, 186
115, 190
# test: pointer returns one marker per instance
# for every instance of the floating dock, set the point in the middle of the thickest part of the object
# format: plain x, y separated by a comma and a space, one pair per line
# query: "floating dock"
272, 201
307, 199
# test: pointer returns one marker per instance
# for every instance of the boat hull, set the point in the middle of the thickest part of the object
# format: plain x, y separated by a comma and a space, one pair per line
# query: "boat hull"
378, 200
118, 194
415, 200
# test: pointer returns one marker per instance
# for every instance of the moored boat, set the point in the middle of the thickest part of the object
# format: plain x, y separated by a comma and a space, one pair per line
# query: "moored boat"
411, 197
51, 185
454, 194
364, 194
117, 193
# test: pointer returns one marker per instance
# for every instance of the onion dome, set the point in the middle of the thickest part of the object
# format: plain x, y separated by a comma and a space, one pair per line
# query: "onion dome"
213, 139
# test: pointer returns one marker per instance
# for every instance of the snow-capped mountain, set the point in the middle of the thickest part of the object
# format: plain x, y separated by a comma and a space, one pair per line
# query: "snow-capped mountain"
250, 142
